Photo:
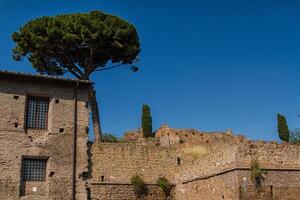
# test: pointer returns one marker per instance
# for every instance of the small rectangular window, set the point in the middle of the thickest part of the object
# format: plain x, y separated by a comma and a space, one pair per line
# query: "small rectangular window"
34, 169
37, 112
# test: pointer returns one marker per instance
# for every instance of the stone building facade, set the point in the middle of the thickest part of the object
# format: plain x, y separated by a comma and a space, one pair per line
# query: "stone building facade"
45, 154
38, 116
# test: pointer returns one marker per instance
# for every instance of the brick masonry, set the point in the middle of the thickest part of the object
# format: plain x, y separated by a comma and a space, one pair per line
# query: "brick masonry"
199, 165
213, 165
16, 141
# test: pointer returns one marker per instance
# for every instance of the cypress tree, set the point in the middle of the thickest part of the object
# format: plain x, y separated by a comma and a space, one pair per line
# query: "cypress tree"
283, 129
146, 121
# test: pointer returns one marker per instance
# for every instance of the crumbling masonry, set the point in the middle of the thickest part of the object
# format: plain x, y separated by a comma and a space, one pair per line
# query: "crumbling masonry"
45, 154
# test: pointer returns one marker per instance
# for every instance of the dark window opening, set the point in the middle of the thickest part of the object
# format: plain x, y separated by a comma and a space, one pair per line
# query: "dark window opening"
16, 97
271, 190
56, 100
102, 178
178, 161
34, 169
37, 112
16, 125
61, 130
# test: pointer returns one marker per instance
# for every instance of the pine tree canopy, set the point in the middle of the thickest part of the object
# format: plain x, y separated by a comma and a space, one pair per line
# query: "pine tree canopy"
78, 43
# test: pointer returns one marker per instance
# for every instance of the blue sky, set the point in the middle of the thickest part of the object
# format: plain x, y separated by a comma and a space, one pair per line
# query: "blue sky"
209, 65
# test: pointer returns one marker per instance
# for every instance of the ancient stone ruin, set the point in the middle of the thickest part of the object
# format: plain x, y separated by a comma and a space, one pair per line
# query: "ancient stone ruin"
45, 153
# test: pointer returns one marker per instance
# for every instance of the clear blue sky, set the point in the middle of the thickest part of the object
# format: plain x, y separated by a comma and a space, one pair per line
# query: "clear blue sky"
209, 65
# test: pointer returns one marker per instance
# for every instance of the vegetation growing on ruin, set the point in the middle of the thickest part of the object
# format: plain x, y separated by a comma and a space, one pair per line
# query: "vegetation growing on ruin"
139, 185
195, 151
164, 184
107, 137
295, 137
257, 174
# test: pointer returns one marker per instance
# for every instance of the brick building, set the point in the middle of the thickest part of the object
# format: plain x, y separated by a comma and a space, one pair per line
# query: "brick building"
37, 129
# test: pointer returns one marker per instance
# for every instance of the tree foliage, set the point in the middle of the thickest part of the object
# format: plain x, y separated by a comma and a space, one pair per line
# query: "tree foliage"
146, 121
283, 129
78, 43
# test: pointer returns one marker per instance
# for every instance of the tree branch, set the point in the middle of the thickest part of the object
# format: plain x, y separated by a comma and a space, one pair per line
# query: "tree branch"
110, 67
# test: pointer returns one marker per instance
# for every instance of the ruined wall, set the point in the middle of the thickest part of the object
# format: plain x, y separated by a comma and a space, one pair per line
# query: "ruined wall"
170, 136
118, 162
200, 165
114, 164
55, 143
212, 166
277, 185
221, 176
126, 192
219, 187
269, 154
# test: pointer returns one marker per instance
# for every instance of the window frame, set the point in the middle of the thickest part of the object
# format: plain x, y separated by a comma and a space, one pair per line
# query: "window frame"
36, 97
23, 170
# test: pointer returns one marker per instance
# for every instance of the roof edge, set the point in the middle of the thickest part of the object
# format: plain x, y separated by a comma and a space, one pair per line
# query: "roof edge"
39, 77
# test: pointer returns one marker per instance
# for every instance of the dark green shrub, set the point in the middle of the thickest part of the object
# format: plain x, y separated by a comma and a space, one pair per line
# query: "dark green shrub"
146, 121
164, 184
139, 185
257, 174
107, 137
283, 129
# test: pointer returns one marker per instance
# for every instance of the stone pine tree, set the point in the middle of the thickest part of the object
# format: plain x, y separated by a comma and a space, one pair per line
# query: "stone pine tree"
283, 129
146, 121
80, 44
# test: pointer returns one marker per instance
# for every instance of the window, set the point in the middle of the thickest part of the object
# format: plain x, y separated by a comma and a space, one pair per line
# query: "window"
37, 112
34, 169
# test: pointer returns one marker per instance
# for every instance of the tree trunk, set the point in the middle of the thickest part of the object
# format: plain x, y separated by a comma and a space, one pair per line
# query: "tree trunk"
95, 115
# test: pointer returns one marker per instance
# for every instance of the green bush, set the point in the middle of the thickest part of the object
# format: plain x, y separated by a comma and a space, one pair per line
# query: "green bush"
107, 137
164, 184
257, 174
139, 185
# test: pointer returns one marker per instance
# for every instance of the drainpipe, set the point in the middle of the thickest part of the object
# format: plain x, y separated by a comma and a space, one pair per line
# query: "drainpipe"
74, 143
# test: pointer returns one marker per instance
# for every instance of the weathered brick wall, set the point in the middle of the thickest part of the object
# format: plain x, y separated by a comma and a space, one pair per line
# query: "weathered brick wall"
222, 186
170, 136
218, 157
213, 170
126, 192
16, 141
277, 185
118, 162
269, 154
